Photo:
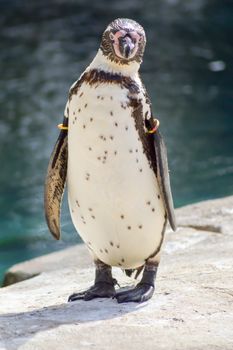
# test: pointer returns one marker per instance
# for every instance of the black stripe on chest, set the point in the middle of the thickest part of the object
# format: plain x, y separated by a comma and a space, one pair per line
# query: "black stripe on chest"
97, 77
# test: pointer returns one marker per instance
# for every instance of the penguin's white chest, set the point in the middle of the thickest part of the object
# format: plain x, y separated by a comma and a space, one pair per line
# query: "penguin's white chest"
113, 193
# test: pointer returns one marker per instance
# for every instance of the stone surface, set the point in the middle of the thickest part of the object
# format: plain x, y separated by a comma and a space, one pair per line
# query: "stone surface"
191, 309
74, 256
213, 215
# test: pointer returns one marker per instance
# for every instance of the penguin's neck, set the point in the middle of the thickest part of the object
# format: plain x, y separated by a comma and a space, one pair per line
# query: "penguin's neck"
101, 62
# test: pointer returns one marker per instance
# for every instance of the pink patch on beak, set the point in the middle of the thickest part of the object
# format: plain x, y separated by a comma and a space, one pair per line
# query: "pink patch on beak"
122, 33
119, 34
135, 36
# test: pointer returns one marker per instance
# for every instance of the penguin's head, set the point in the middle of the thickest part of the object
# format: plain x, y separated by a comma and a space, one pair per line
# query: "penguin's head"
123, 42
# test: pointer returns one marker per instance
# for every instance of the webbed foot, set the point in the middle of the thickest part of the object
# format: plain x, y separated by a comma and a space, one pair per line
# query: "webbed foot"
142, 292
99, 290
104, 286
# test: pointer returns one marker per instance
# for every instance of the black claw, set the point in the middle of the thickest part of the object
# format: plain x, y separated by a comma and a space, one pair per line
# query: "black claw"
141, 293
100, 290
76, 296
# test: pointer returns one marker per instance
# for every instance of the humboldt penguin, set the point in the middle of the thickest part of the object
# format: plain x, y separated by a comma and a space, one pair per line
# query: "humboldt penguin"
113, 159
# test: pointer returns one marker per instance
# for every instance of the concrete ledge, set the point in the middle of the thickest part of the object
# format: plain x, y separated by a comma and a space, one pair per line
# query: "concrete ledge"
74, 256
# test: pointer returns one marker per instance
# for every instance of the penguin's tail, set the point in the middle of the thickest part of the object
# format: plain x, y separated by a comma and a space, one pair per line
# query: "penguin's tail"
136, 272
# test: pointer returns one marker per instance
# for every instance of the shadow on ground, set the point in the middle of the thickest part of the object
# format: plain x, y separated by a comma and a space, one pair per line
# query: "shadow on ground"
26, 325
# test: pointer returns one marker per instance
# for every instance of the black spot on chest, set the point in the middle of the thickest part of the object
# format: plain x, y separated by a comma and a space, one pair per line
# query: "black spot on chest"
95, 77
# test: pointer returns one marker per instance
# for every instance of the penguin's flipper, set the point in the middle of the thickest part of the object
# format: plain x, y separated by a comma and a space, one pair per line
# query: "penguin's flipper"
163, 177
55, 182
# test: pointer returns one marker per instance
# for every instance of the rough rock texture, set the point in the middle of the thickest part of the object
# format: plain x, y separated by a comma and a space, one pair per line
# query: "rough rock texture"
191, 309
74, 256
213, 215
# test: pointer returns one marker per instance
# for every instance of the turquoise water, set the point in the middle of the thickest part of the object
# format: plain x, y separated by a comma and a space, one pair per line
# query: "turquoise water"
187, 70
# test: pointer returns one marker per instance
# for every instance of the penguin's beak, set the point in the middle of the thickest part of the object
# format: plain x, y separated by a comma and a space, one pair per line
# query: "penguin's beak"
126, 46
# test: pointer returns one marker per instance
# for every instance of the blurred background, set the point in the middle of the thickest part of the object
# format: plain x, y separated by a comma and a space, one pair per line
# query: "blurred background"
187, 69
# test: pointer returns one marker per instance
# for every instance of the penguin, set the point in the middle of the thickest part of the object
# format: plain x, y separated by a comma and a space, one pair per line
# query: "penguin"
113, 159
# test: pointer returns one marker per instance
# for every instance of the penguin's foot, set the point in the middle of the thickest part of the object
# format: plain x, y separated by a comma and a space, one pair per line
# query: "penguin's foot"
99, 290
104, 286
142, 292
